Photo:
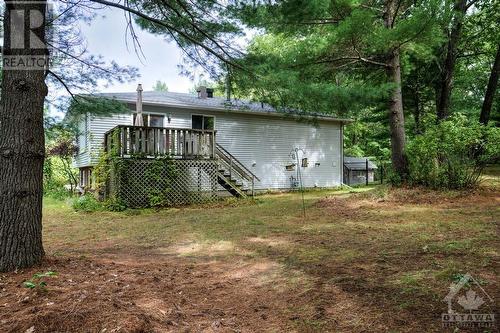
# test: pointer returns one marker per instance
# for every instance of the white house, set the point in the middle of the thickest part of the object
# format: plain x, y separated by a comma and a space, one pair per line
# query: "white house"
275, 149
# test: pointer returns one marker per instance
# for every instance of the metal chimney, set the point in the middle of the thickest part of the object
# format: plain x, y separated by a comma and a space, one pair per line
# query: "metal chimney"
138, 107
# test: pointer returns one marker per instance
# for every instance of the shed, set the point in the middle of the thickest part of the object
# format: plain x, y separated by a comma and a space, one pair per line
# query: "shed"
355, 170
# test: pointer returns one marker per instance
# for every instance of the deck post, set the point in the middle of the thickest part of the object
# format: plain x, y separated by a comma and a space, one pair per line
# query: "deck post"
213, 144
105, 142
123, 132
118, 143
131, 141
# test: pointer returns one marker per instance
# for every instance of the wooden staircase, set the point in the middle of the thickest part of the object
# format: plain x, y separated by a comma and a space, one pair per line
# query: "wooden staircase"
232, 175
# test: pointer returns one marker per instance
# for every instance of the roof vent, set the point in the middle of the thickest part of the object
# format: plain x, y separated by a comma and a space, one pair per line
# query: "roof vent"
204, 92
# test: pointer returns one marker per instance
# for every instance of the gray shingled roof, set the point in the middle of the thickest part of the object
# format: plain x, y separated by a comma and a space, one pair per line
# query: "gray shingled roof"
215, 103
358, 163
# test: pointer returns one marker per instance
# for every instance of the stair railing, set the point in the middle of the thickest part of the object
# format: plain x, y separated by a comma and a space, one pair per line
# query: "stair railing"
235, 166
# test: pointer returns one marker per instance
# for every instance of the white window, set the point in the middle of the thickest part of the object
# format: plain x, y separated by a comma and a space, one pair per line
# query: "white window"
82, 134
151, 120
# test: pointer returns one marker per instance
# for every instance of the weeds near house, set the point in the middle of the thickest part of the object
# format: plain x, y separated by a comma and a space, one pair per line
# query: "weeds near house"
87, 203
114, 205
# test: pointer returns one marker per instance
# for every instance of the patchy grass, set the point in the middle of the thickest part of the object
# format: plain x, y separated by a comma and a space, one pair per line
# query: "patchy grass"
369, 259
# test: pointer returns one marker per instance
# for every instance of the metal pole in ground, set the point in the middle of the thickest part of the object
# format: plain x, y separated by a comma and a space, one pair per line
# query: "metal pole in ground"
366, 172
381, 173
295, 152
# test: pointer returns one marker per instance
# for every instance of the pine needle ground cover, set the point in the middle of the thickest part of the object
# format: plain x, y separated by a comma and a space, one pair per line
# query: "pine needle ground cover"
376, 259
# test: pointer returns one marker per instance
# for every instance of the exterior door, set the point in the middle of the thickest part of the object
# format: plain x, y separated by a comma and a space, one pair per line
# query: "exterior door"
201, 142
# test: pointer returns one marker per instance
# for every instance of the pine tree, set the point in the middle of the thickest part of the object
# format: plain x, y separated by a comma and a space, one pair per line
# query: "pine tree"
351, 50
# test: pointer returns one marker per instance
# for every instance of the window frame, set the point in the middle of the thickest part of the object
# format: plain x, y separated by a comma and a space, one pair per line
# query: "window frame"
203, 121
83, 135
149, 114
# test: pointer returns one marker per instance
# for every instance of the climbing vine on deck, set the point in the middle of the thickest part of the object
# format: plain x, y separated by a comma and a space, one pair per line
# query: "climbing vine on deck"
160, 169
116, 177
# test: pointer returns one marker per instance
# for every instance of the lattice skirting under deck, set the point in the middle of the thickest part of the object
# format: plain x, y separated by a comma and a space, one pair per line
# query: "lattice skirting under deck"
144, 183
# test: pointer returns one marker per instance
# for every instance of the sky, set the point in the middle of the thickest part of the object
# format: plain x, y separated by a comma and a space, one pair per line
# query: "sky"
106, 36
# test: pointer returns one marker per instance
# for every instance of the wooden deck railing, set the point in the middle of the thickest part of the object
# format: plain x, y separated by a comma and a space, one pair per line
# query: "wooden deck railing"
156, 141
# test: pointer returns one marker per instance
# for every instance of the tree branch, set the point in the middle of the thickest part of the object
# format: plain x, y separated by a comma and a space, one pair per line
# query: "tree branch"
369, 61
469, 55
351, 60
471, 3
58, 78
194, 25
169, 27
395, 15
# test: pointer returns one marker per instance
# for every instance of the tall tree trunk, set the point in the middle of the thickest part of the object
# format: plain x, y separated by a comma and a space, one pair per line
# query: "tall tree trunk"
21, 137
396, 114
396, 118
417, 115
490, 90
446, 79
418, 108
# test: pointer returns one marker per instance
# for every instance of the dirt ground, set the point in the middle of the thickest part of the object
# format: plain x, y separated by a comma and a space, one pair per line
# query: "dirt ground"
376, 261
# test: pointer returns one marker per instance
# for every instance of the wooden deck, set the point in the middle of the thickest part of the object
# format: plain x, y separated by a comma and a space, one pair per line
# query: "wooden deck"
182, 144
186, 143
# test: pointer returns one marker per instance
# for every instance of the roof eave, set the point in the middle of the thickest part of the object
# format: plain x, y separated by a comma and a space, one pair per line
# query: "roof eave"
220, 109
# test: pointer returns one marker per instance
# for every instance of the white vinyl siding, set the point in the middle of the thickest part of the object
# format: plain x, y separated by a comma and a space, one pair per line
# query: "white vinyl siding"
94, 134
264, 145
99, 126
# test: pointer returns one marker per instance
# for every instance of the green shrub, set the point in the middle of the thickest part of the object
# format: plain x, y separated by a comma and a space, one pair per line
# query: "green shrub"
452, 154
115, 205
56, 190
101, 172
87, 203
392, 176
54, 181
